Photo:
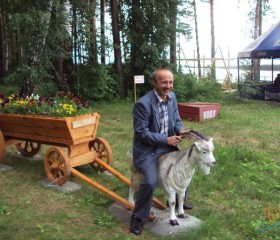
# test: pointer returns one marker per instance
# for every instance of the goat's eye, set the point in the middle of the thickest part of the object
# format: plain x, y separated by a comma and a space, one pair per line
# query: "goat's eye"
204, 152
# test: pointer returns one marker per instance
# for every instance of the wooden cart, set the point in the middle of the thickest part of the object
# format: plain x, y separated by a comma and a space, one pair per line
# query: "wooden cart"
73, 143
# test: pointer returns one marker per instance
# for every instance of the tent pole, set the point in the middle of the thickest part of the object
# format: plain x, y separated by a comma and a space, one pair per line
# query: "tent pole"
238, 70
252, 67
272, 70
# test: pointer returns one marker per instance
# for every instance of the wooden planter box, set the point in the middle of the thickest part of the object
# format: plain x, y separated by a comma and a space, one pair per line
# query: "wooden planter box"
50, 130
199, 111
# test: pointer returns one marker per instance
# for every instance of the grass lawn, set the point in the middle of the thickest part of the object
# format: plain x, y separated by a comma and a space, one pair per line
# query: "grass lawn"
240, 199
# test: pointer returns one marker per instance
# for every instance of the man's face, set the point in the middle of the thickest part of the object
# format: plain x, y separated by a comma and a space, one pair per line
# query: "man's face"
163, 83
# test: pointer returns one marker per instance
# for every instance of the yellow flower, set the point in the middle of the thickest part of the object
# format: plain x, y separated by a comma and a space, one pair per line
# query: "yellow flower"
19, 103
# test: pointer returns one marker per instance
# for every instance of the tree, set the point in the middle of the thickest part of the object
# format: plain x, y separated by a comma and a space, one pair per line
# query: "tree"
151, 32
256, 18
3, 38
213, 68
173, 30
197, 41
212, 26
117, 45
37, 42
102, 26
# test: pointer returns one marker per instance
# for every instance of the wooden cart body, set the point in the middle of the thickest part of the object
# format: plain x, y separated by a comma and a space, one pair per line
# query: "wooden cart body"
76, 134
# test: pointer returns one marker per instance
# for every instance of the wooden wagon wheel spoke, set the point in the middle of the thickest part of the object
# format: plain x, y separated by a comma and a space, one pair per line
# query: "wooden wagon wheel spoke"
28, 148
2, 145
103, 150
57, 166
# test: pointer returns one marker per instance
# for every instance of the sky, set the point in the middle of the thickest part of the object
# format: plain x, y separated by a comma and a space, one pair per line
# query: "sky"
231, 27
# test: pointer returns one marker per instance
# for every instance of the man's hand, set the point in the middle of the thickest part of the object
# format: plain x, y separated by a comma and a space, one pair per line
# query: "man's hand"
174, 140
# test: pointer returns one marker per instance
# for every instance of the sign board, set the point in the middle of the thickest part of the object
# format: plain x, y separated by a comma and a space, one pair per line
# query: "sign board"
138, 79
84, 122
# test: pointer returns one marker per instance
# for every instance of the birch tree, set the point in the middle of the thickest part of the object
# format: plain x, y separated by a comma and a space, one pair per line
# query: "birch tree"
256, 18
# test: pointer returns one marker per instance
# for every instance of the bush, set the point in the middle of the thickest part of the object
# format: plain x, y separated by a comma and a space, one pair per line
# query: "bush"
97, 83
185, 86
188, 88
247, 89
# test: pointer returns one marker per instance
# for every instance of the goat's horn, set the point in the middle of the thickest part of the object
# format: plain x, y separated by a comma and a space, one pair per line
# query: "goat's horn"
194, 135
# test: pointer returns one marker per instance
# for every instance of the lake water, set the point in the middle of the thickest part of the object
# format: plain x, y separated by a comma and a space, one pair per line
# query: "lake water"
221, 72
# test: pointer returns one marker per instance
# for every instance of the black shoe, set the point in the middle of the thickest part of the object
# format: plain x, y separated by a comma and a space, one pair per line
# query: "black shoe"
136, 225
187, 206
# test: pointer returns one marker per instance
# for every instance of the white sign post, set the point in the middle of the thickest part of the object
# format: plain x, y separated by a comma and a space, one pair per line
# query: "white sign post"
138, 79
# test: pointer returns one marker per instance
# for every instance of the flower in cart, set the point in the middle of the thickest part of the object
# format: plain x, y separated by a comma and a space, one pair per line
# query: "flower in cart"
61, 105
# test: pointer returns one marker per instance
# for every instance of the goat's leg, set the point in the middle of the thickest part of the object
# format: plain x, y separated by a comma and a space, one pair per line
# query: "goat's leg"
131, 195
172, 202
181, 196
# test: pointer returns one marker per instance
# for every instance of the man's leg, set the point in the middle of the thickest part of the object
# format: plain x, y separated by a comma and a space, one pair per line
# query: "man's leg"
144, 197
186, 205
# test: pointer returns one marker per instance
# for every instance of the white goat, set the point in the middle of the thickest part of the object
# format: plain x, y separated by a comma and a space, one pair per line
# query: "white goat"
175, 171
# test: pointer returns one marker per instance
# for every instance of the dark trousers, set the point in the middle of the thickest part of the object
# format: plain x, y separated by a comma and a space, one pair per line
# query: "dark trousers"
145, 194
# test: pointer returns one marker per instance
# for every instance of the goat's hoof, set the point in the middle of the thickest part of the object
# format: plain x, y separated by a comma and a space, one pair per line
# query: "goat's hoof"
182, 216
174, 222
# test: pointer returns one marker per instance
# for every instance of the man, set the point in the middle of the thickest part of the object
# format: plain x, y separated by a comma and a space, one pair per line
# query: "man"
277, 81
157, 130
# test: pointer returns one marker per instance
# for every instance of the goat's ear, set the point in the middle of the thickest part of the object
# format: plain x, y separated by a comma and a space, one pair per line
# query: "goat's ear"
211, 139
197, 144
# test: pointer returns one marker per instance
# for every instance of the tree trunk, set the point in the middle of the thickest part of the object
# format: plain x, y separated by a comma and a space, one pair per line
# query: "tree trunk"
102, 23
173, 27
213, 68
257, 32
4, 47
92, 33
74, 35
2, 40
197, 41
117, 45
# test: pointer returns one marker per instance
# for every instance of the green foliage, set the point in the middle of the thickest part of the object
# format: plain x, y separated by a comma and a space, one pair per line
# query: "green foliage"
3, 209
104, 220
187, 88
46, 88
41, 36
147, 28
96, 82
247, 89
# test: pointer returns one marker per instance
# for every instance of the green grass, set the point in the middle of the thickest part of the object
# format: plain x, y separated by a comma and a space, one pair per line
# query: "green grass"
240, 199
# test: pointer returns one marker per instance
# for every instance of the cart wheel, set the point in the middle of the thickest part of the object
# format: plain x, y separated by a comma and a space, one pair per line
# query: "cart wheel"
103, 150
2, 145
28, 149
57, 165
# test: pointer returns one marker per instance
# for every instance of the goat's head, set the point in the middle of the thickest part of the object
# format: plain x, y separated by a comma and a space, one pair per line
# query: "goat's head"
206, 159
204, 149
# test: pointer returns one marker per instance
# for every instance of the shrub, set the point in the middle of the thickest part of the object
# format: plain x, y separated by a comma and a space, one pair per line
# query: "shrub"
185, 86
97, 83
188, 88
247, 89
